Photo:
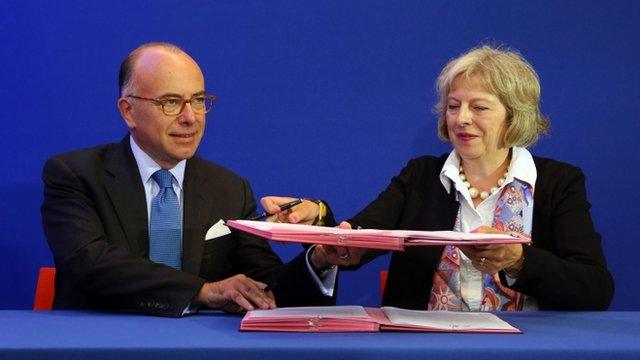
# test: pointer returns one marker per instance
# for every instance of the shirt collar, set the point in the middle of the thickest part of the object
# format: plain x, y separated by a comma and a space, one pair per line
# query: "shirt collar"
147, 166
522, 168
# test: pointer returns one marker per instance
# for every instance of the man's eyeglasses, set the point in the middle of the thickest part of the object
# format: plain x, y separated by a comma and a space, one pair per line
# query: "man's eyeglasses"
172, 106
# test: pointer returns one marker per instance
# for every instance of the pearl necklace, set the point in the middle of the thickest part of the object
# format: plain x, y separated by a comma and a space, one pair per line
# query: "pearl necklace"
474, 192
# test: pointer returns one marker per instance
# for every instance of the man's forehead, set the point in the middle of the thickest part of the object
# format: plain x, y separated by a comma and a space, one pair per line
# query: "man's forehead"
168, 70
158, 58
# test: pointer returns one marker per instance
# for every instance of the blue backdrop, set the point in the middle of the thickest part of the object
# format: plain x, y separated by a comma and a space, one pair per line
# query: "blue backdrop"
325, 99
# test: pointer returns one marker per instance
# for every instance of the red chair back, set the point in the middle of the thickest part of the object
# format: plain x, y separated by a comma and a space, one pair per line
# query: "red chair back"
383, 282
45, 289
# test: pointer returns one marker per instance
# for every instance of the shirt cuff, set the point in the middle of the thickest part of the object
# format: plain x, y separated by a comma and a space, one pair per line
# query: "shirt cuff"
326, 280
191, 309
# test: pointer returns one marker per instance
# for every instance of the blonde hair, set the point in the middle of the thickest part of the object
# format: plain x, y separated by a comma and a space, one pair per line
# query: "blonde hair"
507, 75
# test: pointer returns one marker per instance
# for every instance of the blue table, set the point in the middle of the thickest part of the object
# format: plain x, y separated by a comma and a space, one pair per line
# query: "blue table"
95, 335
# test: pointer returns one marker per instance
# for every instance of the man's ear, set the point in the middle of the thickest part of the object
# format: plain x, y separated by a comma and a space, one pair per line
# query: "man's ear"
124, 106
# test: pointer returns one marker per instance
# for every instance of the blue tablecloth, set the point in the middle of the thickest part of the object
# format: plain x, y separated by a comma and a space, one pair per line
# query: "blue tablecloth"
95, 335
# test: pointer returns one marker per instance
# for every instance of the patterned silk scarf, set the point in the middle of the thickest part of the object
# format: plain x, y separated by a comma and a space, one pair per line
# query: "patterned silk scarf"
507, 217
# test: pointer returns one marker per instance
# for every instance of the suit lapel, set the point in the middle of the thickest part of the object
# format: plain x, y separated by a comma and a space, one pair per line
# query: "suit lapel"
196, 217
541, 215
437, 209
125, 189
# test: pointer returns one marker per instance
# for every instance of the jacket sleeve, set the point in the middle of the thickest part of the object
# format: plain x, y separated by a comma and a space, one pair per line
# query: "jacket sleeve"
565, 269
386, 210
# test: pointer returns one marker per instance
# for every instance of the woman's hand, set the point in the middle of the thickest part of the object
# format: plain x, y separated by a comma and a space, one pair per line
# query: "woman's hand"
303, 213
493, 258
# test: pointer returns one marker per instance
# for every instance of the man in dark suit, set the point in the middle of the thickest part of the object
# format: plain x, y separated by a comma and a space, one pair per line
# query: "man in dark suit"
98, 210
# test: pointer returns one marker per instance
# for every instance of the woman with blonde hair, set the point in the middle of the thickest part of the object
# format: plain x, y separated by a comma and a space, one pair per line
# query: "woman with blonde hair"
489, 109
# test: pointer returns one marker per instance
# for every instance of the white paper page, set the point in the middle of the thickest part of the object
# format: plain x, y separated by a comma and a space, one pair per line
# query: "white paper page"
313, 311
445, 319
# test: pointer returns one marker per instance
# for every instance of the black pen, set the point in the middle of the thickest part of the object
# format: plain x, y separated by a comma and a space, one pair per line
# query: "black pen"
283, 207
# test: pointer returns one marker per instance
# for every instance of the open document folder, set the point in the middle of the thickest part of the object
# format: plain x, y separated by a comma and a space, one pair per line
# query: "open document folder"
368, 238
361, 319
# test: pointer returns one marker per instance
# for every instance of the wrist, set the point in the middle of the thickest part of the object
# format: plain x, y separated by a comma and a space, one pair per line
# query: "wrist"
317, 261
208, 295
201, 296
321, 272
514, 270
322, 212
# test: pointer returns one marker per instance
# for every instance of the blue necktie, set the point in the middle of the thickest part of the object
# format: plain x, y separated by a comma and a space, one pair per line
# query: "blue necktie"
165, 230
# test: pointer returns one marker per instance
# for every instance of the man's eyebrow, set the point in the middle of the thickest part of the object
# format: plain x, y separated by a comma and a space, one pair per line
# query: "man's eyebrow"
172, 95
169, 95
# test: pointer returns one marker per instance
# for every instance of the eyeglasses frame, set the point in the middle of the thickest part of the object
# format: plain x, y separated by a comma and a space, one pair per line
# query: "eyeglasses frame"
159, 102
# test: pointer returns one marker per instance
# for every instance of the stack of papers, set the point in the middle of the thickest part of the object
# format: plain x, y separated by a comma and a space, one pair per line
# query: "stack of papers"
361, 319
368, 238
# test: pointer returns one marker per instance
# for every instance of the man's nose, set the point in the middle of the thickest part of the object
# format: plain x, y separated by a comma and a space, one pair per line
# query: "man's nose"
187, 116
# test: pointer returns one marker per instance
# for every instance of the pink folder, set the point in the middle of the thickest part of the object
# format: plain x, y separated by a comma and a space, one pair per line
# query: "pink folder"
367, 238
361, 319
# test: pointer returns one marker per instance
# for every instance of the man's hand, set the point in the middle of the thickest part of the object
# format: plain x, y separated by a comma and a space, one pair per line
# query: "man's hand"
325, 256
304, 213
235, 294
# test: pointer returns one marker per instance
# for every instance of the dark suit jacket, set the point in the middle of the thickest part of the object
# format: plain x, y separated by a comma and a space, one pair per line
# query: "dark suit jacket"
95, 219
564, 269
